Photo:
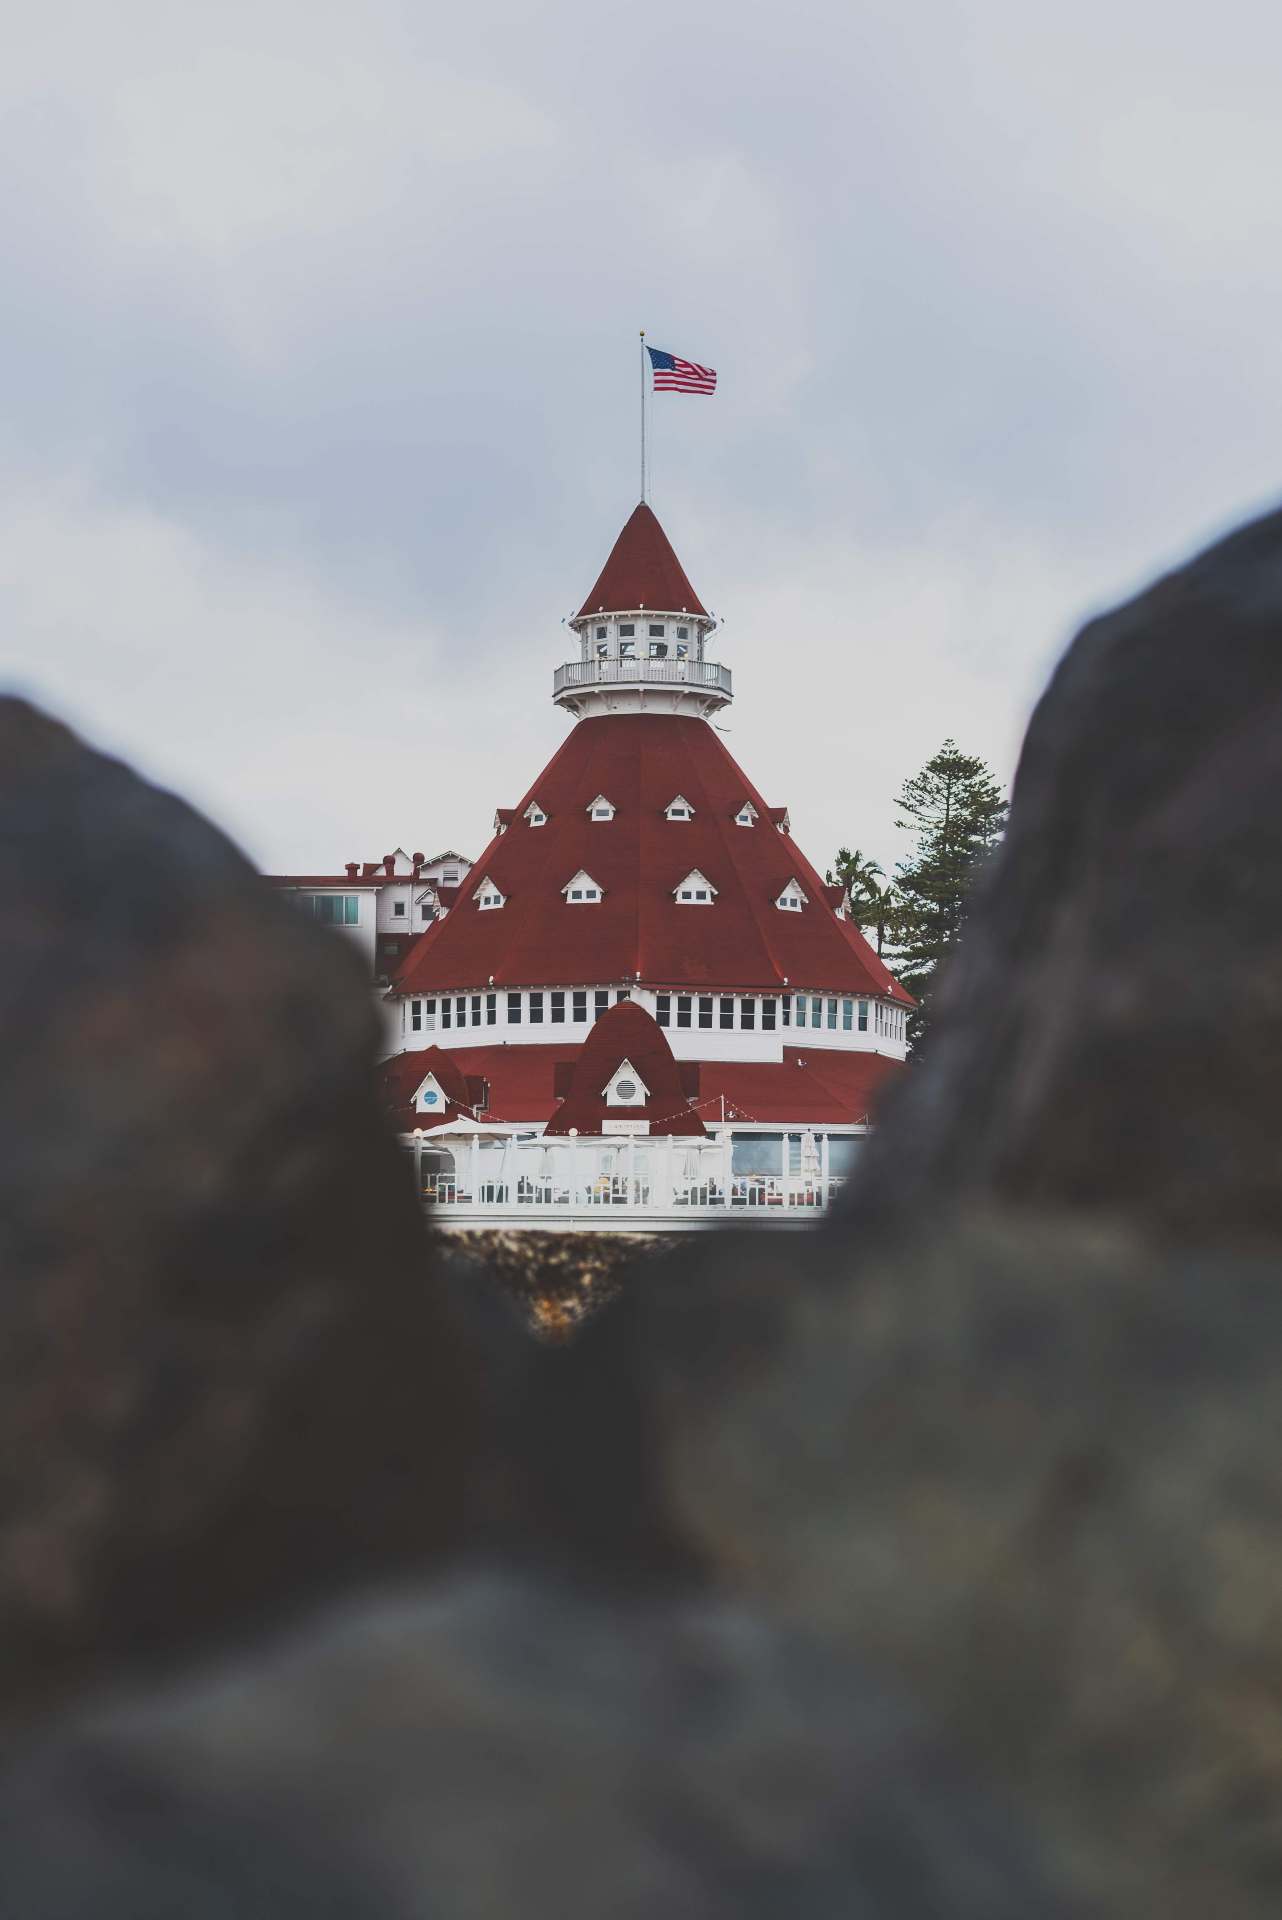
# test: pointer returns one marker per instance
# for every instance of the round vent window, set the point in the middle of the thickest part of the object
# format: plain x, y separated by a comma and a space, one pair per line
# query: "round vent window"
430, 1098
626, 1089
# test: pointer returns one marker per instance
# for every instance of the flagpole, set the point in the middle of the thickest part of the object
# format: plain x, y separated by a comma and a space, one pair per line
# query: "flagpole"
643, 415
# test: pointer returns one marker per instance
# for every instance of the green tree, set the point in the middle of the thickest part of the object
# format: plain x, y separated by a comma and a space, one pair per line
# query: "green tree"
872, 904
958, 812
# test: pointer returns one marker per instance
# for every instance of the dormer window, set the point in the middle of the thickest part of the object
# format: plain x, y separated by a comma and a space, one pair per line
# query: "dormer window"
678, 809
694, 891
625, 1087
746, 816
535, 815
601, 809
792, 899
583, 890
430, 1098
488, 896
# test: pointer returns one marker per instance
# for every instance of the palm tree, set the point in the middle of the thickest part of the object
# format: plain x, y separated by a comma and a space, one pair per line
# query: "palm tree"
871, 904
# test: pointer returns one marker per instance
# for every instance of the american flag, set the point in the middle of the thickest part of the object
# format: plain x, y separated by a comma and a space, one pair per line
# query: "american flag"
680, 376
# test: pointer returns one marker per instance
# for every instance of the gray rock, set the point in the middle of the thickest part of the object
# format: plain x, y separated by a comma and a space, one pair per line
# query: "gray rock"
225, 1388
509, 1747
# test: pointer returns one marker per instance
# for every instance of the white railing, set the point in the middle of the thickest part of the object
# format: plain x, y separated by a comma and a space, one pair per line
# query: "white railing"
660, 1184
687, 673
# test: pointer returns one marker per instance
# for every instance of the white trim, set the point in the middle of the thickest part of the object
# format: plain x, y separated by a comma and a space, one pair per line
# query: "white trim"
793, 898
535, 814
488, 897
594, 812
696, 890
678, 800
610, 1091
583, 890
747, 815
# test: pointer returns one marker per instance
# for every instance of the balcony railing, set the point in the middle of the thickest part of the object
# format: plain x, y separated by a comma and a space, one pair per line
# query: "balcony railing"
657, 673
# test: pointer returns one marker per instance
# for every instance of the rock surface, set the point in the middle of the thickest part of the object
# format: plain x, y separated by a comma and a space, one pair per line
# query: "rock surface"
224, 1387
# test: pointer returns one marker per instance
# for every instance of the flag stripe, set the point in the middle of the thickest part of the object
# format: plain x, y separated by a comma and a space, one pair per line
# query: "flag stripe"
673, 375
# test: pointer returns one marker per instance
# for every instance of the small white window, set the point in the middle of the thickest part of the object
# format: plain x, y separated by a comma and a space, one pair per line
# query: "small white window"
679, 809
535, 815
601, 808
695, 890
582, 890
625, 1087
488, 896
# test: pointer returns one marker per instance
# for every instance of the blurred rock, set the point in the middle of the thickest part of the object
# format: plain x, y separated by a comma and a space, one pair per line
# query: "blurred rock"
1111, 1031
225, 1387
511, 1748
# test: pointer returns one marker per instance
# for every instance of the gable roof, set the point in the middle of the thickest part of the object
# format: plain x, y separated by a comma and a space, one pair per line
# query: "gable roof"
626, 1032
638, 930
642, 571
401, 1077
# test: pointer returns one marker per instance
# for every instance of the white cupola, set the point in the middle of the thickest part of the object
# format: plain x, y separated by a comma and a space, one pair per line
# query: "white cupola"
642, 634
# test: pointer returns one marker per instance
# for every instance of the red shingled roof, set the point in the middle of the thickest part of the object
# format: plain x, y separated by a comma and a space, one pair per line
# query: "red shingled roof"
626, 1032
401, 1077
642, 571
539, 938
813, 1086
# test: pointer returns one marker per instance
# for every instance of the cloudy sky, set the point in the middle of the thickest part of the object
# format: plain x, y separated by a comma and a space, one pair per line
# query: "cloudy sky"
320, 373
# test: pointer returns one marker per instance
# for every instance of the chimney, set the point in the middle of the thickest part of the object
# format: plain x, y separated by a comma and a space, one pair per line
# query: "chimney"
353, 869
389, 864
418, 858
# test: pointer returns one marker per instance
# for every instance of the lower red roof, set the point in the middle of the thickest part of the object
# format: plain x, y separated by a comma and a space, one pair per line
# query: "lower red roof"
811, 1086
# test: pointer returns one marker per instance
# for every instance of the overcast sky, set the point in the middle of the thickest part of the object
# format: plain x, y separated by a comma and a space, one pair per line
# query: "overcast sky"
320, 373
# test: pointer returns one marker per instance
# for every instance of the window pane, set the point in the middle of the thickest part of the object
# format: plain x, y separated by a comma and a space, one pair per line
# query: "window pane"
705, 1010
832, 1013
558, 1009
847, 1015
684, 1003
491, 1009
801, 1009
476, 1009
748, 1015
536, 1009
514, 1009
626, 627
785, 1010
446, 1012
602, 1000
727, 1013
460, 1010
768, 1016
863, 1016
655, 631
429, 1013
622, 994
816, 1010
581, 1005
416, 1015
663, 1008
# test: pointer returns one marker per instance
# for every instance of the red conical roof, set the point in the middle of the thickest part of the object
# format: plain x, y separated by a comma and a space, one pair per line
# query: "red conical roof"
638, 930
642, 571
626, 1032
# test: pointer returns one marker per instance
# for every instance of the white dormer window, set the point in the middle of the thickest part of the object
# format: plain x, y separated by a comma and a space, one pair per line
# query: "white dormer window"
601, 809
535, 815
625, 1087
430, 1098
792, 899
678, 809
746, 816
694, 891
582, 890
488, 895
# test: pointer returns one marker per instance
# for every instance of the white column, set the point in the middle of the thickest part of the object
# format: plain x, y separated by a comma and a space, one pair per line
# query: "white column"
476, 1169
418, 1164
823, 1171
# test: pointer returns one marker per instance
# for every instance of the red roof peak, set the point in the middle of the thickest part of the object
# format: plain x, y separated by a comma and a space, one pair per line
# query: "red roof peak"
642, 571
626, 1035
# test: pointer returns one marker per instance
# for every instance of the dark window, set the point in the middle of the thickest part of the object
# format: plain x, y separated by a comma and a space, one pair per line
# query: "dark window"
801, 1009
684, 1004
398, 909
683, 633
536, 1009
627, 628
655, 632
602, 998
727, 1013
491, 1009
748, 1014
816, 1010
622, 994
424, 910
460, 1011
558, 1009
785, 1010
832, 1013
863, 1016
446, 1012
514, 1009
663, 1009
416, 1015
429, 1014
847, 1015
705, 1010
767, 1016
476, 1009
600, 633
580, 1004
576, 893
658, 648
